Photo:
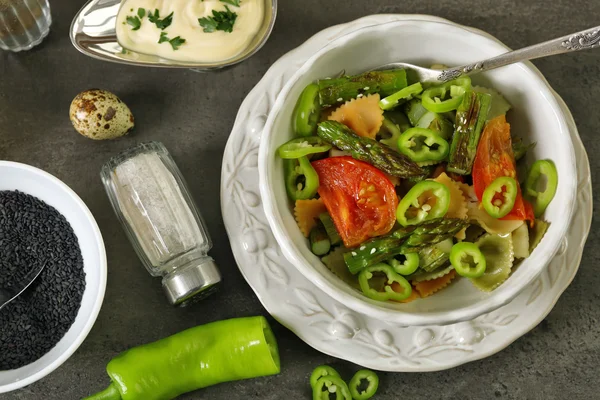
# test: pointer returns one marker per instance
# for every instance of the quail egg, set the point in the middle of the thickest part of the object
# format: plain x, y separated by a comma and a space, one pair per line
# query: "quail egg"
98, 114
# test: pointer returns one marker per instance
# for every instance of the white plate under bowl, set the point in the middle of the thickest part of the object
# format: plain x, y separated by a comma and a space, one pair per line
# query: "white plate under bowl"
535, 116
34, 181
329, 325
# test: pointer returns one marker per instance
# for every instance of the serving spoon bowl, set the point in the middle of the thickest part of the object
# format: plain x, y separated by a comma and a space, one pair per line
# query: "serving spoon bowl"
583, 40
93, 33
9, 294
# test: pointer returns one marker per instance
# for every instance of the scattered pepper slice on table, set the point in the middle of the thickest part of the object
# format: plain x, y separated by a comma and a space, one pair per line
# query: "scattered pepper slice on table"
217, 352
357, 381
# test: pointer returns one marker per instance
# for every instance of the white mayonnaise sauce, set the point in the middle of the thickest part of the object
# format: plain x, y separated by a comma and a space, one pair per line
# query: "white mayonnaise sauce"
199, 46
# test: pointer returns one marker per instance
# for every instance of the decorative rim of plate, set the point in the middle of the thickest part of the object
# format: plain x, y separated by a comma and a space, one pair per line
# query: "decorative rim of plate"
324, 323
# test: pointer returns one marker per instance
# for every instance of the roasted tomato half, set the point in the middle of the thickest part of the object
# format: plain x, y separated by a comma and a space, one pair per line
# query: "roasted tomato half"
494, 159
360, 198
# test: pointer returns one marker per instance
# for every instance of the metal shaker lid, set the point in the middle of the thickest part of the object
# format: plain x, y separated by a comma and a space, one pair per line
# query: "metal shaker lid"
192, 282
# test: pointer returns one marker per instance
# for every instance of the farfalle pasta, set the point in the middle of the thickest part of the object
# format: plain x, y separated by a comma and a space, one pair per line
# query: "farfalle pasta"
362, 115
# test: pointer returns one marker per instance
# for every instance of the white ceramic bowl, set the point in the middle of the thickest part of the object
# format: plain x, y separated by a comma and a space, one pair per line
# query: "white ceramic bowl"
535, 115
33, 181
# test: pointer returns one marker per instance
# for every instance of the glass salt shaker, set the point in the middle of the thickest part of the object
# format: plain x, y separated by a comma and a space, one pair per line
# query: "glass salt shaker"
23, 23
152, 201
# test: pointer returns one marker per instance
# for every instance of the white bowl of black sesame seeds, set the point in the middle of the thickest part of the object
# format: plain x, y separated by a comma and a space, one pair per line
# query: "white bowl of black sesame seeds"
43, 221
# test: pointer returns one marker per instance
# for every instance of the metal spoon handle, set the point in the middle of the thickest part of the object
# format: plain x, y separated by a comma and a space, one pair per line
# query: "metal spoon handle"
584, 40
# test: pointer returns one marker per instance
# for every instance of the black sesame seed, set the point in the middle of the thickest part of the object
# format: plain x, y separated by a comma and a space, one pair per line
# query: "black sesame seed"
31, 233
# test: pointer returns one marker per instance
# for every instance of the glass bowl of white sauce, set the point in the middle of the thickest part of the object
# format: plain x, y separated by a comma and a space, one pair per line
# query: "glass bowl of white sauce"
203, 36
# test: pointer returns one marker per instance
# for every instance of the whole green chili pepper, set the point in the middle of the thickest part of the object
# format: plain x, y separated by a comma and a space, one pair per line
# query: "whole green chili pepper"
222, 351
321, 371
415, 207
499, 197
391, 277
303, 146
446, 97
356, 382
307, 110
465, 250
301, 179
541, 185
420, 144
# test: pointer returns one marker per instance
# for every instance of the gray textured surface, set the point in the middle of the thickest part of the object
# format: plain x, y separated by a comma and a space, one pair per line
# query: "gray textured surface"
192, 115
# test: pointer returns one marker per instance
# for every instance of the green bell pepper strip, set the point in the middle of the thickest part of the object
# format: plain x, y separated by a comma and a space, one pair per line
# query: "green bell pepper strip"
542, 173
301, 179
499, 197
356, 382
303, 146
410, 211
387, 103
463, 250
321, 371
217, 352
446, 97
406, 267
388, 294
307, 111
420, 144
331, 384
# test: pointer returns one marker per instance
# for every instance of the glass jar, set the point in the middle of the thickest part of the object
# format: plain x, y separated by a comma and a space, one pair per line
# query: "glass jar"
152, 202
23, 23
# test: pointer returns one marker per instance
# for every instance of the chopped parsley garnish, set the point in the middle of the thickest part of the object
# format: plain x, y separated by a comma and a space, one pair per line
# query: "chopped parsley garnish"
141, 13
220, 21
163, 37
161, 24
134, 22
235, 3
175, 42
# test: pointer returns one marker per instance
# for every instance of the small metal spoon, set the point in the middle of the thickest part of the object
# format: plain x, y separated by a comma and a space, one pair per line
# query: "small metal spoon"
9, 294
584, 40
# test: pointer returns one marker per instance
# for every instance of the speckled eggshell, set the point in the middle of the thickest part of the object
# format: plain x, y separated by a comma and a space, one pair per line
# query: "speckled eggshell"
98, 114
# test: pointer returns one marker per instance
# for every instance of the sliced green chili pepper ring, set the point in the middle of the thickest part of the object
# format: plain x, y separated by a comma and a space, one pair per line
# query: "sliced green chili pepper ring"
463, 255
301, 179
406, 267
415, 207
307, 110
499, 197
421, 144
303, 146
320, 371
446, 97
391, 277
407, 93
541, 185
331, 384
356, 384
